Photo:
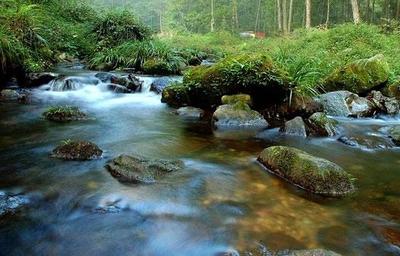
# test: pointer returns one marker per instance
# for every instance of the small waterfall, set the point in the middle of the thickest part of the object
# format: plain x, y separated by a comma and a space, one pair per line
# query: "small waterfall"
72, 83
146, 83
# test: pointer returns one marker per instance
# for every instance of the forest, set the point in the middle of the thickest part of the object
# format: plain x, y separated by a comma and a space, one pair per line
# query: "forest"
200, 127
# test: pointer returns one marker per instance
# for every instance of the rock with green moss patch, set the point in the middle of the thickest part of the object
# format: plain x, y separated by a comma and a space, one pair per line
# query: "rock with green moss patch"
308, 172
359, 77
138, 169
232, 99
77, 150
238, 116
394, 89
321, 125
156, 67
64, 114
255, 75
394, 133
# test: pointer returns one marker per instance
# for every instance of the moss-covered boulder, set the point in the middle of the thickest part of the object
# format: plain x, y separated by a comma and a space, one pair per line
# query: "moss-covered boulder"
77, 150
64, 114
138, 169
238, 116
394, 89
232, 99
156, 67
308, 172
321, 125
360, 77
256, 75
395, 135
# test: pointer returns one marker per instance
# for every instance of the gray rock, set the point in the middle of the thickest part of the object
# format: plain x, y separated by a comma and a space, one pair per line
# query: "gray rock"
295, 127
394, 134
238, 116
190, 112
366, 142
383, 104
9, 204
129, 82
321, 125
345, 103
137, 169
118, 88
159, 84
9, 95
38, 79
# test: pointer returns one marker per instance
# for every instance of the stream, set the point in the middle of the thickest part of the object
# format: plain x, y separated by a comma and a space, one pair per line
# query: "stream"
222, 201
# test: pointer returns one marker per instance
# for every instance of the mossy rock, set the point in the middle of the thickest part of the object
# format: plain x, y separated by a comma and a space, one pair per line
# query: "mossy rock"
395, 135
77, 150
310, 173
138, 169
156, 67
176, 95
394, 90
255, 75
360, 77
64, 114
232, 99
321, 125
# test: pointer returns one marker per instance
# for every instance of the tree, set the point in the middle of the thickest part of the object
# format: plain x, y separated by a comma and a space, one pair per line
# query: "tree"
308, 14
279, 14
356, 11
212, 16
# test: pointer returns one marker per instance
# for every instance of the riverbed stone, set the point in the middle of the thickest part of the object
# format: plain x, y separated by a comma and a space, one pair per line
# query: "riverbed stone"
394, 134
118, 88
361, 76
9, 95
239, 115
77, 150
9, 204
345, 103
295, 127
321, 125
64, 114
138, 169
130, 82
308, 172
190, 112
159, 84
383, 104
38, 79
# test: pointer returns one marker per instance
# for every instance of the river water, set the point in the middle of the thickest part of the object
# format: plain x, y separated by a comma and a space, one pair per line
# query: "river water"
222, 201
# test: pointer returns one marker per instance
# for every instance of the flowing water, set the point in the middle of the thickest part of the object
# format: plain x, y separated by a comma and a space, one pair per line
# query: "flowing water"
223, 200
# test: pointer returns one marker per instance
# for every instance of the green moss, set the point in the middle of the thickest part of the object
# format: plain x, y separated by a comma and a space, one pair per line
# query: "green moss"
232, 99
176, 95
156, 67
314, 174
360, 76
255, 75
64, 113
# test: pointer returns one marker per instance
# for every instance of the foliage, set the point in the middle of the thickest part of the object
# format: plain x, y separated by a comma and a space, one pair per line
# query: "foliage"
64, 113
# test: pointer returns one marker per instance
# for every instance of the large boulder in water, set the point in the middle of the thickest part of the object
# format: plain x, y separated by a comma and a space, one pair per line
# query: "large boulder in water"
238, 116
64, 114
38, 79
130, 82
295, 127
255, 75
345, 103
137, 169
360, 77
383, 104
77, 150
308, 172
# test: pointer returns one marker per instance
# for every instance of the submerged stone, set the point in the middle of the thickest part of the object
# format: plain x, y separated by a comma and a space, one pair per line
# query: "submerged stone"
64, 114
77, 150
137, 169
239, 115
190, 112
359, 77
295, 127
308, 172
9, 204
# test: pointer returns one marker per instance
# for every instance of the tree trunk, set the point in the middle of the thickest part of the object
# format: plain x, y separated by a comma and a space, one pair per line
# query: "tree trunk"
284, 17
373, 12
328, 13
257, 16
398, 9
356, 11
279, 10
290, 15
212, 16
308, 14
235, 18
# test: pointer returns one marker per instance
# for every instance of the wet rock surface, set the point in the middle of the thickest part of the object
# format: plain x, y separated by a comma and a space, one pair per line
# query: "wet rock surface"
295, 127
238, 116
190, 112
394, 134
321, 125
77, 150
138, 169
159, 84
38, 79
308, 172
9, 204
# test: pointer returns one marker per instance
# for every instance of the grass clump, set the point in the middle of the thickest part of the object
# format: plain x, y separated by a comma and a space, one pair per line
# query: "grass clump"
64, 114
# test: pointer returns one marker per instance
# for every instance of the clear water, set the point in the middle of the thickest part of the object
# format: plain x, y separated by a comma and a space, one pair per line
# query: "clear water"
223, 200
